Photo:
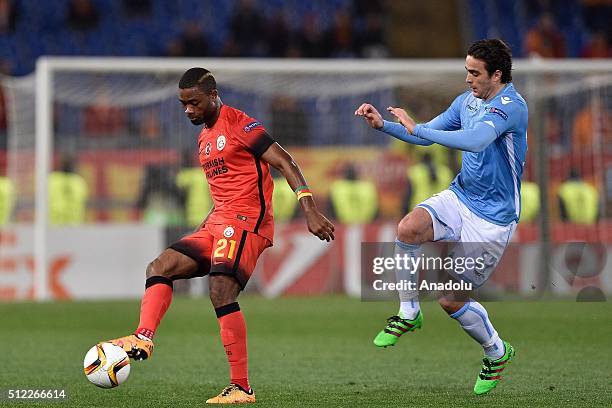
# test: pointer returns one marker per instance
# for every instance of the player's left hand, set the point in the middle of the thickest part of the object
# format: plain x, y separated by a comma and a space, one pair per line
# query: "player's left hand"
370, 114
403, 117
320, 226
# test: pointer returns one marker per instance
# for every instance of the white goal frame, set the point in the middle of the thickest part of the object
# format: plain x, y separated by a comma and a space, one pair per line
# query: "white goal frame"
46, 67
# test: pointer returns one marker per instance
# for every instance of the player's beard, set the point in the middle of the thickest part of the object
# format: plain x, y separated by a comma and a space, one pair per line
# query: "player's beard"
197, 121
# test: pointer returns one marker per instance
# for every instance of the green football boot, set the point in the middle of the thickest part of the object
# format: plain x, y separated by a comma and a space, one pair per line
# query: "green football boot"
490, 374
396, 326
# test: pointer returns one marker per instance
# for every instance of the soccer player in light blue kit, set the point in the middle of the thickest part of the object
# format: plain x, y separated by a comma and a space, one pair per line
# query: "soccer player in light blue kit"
482, 205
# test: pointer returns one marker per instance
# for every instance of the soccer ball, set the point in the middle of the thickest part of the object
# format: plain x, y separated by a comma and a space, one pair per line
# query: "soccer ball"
106, 365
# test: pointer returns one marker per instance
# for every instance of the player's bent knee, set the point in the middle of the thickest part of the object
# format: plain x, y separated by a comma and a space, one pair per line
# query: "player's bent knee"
172, 265
413, 229
151, 270
406, 232
221, 299
155, 268
223, 290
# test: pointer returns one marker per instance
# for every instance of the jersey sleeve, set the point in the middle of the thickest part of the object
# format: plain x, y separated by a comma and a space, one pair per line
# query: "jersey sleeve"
253, 136
503, 114
450, 119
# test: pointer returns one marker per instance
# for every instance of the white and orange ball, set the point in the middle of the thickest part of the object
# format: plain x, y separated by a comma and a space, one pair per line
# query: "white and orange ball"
106, 365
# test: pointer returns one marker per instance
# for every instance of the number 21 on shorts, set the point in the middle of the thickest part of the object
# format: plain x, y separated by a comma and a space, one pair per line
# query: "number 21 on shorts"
225, 248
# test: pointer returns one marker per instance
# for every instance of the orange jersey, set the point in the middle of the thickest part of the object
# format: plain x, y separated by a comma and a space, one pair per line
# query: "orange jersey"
240, 183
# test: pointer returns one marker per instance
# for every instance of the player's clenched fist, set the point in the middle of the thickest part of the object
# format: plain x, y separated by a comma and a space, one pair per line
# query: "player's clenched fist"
320, 226
370, 114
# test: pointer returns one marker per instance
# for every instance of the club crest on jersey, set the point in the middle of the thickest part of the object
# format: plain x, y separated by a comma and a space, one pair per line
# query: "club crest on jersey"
250, 126
207, 149
228, 232
221, 142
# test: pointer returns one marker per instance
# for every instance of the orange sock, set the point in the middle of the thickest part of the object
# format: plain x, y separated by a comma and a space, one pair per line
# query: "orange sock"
155, 303
234, 339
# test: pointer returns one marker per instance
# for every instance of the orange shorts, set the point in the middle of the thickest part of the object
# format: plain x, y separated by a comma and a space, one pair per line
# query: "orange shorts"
223, 249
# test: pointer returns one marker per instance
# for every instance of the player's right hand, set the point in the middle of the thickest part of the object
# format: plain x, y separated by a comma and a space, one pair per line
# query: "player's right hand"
403, 118
320, 226
370, 114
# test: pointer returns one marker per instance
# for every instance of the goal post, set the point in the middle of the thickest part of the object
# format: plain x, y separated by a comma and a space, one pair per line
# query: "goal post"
44, 146
326, 90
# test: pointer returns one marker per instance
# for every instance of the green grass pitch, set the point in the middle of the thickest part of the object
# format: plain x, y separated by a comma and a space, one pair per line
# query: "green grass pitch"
314, 352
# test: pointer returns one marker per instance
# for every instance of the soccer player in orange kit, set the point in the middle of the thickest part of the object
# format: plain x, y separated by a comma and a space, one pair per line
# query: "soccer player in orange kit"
235, 153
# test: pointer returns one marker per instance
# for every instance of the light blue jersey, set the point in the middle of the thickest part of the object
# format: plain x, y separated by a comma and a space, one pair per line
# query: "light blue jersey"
489, 182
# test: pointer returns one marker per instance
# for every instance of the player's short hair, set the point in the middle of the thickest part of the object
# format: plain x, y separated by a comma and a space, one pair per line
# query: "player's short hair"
496, 55
199, 77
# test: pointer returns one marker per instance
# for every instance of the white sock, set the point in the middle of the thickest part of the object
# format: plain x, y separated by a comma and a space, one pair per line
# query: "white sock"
409, 299
474, 319
143, 337
409, 310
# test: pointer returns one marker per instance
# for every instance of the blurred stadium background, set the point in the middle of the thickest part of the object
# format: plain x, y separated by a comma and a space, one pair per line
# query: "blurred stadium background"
115, 153
98, 175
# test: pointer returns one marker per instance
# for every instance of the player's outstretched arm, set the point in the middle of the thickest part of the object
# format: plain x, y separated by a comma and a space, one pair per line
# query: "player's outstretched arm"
403, 118
281, 160
469, 140
397, 130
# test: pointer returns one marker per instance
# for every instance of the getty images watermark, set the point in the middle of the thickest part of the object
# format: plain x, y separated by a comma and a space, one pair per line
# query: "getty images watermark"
408, 265
430, 268
488, 271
